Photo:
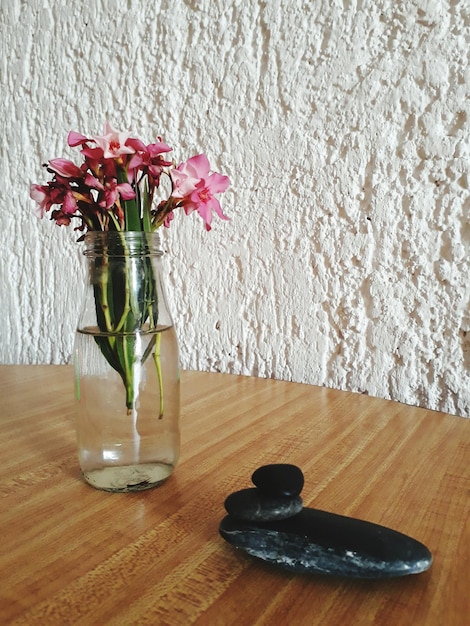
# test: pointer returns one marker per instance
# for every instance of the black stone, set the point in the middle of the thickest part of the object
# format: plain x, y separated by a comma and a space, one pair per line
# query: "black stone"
321, 542
279, 479
252, 505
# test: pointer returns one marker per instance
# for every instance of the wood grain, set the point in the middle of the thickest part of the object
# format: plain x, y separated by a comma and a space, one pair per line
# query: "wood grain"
72, 555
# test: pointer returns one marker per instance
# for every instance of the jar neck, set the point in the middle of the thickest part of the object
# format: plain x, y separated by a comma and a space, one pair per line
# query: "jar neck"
128, 243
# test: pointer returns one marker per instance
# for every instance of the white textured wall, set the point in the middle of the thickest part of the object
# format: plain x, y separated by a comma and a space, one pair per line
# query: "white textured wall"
344, 128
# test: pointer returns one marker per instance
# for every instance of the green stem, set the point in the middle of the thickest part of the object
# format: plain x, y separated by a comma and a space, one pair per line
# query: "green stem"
131, 207
125, 349
159, 372
120, 314
103, 283
126, 324
118, 344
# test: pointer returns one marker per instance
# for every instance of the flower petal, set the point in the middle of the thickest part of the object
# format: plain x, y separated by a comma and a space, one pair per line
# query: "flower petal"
217, 183
125, 191
76, 139
113, 142
154, 149
95, 154
198, 165
69, 205
65, 168
138, 145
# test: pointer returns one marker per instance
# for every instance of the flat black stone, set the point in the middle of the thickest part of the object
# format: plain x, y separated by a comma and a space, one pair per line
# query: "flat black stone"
253, 505
320, 542
279, 479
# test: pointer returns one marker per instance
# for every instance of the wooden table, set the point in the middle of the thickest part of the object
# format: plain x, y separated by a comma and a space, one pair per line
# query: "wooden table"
73, 555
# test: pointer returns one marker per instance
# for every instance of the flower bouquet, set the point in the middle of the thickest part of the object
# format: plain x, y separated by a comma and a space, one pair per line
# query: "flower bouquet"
114, 191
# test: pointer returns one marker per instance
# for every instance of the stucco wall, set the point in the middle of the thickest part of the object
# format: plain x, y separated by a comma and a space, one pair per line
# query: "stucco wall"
344, 128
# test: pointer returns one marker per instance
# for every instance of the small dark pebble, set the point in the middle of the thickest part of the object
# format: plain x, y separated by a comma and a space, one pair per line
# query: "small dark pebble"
253, 505
279, 479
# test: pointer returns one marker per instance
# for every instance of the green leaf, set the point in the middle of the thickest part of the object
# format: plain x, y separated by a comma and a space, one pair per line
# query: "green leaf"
131, 208
146, 203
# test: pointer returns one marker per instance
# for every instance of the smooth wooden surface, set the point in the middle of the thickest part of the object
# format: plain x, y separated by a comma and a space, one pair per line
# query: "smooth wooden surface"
72, 555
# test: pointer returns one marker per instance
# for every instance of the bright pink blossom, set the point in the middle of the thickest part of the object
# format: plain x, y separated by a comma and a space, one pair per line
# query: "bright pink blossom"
92, 182
113, 142
169, 217
93, 154
69, 205
126, 191
65, 168
76, 139
196, 187
55, 192
137, 144
149, 160
155, 149
188, 174
61, 218
38, 193
117, 169
112, 192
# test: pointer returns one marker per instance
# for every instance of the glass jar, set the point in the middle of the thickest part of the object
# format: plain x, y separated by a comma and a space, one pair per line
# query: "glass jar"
126, 366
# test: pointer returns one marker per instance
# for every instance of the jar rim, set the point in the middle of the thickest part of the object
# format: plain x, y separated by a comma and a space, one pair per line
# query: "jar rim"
122, 243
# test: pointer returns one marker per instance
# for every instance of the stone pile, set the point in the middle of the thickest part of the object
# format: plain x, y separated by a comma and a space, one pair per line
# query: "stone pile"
270, 522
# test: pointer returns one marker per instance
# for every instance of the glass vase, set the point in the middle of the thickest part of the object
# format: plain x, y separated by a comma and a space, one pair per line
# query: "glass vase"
126, 366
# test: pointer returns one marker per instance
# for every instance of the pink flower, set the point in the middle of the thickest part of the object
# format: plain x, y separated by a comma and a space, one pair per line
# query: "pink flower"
92, 182
76, 139
69, 204
116, 169
113, 142
155, 149
61, 218
196, 187
188, 174
65, 168
53, 193
39, 194
126, 191
149, 160
94, 155
113, 190
168, 219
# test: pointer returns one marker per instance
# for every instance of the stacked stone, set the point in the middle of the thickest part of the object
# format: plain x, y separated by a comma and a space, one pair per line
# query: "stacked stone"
275, 497
270, 522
